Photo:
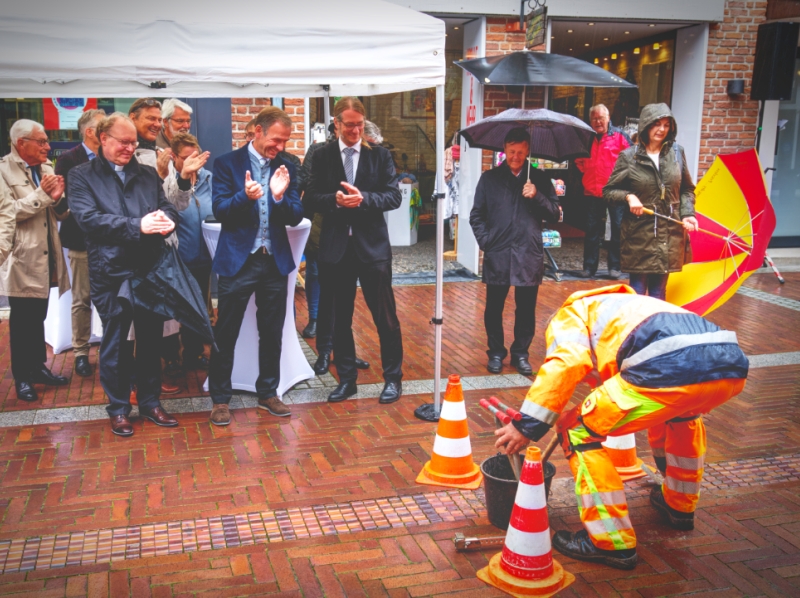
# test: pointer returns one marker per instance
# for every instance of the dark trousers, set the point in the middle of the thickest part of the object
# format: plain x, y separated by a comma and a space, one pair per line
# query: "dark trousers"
596, 229
259, 275
26, 335
325, 312
118, 365
654, 285
524, 319
376, 285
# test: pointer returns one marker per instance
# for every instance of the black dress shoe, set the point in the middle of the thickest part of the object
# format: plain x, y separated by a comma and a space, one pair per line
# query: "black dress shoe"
677, 519
523, 367
45, 376
82, 366
391, 393
585, 274
495, 365
25, 391
310, 331
361, 364
341, 392
579, 547
323, 364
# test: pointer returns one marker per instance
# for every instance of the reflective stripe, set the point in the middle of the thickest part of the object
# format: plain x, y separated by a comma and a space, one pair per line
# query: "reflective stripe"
693, 463
603, 526
621, 443
530, 497
568, 336
528, 543
452, 447
617, 497
609, 307
681, 486
453, 411
674, 343
543, 414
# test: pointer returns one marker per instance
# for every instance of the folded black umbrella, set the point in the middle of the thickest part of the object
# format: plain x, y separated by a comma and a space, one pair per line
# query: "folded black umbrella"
554, 136
169, 289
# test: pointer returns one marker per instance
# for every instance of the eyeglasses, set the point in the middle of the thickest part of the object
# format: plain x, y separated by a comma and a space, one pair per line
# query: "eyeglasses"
39, 142
351, 126
150, 102
181, 121
131, 144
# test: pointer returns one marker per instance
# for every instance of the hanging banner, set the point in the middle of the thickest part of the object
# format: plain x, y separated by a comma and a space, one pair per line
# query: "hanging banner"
63, 113
535, 28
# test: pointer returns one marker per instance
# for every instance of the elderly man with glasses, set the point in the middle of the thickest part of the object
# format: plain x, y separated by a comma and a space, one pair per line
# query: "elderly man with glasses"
177, 117
37, 261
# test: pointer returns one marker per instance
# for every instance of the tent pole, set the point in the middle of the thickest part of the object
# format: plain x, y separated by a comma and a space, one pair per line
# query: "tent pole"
437, 354
327, 108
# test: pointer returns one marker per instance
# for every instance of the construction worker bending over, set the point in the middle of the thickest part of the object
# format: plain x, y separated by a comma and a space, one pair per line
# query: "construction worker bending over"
661, 368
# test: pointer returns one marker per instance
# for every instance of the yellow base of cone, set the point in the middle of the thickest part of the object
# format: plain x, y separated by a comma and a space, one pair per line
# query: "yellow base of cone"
467, 481
631, 473
495, 576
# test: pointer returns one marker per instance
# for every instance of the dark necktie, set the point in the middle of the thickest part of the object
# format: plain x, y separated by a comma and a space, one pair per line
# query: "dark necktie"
348, 164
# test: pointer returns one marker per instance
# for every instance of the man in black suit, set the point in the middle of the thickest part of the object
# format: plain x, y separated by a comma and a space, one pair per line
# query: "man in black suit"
73, 239
352, 184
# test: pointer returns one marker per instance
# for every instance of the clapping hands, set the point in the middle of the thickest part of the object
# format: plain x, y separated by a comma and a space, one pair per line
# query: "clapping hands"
157, 223
351, 199
279, 183
53, 185
252, 189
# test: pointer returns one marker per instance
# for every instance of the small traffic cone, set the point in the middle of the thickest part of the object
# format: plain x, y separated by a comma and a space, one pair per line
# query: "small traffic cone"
622, 450
451, 463
526, 566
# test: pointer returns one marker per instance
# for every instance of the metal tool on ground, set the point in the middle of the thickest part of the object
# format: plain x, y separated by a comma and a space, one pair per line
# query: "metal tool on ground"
502, 419
526, 566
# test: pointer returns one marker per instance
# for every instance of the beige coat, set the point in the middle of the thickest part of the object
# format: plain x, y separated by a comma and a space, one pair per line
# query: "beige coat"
8, 221
26, 272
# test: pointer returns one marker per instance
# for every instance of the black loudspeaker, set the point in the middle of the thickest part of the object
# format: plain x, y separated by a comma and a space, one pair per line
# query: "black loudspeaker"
773, 69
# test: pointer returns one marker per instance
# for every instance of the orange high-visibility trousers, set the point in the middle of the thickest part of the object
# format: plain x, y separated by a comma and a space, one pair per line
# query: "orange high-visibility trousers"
623, 408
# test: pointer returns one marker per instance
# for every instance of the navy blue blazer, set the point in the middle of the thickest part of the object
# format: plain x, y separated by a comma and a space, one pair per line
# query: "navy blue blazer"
239, 215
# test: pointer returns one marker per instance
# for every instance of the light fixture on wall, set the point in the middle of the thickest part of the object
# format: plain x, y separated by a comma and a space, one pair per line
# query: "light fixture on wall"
614, 56
569, 30
735, 87
456, 28
591, 24
587, 45
627, 33
636, 50
656, 46
597, 61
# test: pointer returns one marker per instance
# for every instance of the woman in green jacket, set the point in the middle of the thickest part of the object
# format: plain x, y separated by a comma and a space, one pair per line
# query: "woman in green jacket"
653, 174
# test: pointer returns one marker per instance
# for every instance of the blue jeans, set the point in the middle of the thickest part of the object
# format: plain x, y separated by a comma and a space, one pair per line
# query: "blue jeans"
654, 285
312, 287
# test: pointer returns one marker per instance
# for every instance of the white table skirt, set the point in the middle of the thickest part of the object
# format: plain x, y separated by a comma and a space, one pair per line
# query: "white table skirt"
294, 366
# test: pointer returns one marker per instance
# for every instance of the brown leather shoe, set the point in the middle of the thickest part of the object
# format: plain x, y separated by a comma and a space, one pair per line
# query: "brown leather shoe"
275, 406
159, 417
121, 425
169, 389
220, 415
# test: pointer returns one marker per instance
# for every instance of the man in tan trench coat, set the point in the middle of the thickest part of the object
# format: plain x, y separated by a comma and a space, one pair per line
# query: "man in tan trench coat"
37, 261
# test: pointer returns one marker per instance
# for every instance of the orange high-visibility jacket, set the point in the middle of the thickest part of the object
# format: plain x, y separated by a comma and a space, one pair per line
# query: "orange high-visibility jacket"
650, 343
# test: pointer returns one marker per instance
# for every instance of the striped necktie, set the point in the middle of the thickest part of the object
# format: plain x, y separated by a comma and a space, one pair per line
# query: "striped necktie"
348, 164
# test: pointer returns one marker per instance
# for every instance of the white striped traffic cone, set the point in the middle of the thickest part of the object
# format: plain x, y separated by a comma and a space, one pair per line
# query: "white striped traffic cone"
451, 463
622, 450
526, 566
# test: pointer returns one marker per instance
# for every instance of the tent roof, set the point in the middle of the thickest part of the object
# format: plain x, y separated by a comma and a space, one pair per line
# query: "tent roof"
206, 48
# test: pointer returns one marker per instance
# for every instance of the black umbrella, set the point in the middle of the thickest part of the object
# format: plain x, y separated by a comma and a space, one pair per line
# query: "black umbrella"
169, 289
554, 136
540, 68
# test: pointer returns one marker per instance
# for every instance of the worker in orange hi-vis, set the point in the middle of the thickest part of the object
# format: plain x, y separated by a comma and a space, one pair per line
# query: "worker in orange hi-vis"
661, 368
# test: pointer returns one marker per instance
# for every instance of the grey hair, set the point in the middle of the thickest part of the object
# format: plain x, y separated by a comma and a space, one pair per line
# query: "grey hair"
89, 120
597, 108
105, 125
168, 108
373, 132
22, 128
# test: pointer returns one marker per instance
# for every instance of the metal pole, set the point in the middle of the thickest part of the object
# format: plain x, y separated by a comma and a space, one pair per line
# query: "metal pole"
327, 107
437, 353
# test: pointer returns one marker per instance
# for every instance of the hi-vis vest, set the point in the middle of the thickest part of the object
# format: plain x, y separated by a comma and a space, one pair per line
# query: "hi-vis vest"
650, 343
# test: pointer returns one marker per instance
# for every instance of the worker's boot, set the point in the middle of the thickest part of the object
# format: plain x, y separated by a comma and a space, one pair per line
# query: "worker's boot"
579, 546
677, 519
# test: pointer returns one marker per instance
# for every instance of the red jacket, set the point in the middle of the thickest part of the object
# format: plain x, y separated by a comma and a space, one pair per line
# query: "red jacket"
597, 169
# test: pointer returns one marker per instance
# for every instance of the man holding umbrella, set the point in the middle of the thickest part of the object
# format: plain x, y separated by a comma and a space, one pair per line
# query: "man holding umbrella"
510, 203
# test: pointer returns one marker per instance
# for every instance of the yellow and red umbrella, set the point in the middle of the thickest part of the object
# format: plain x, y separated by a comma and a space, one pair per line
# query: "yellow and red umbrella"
736, 221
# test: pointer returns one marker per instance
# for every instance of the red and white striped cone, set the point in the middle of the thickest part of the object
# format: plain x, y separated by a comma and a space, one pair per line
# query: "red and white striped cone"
526, 566
622, 451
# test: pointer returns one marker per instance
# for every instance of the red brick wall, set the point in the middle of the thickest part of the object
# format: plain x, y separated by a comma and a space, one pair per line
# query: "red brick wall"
729, 124
243, 110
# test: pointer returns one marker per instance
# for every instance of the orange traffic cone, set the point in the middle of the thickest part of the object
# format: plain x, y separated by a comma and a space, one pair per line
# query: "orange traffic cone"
622, 450
526, 566
451, 463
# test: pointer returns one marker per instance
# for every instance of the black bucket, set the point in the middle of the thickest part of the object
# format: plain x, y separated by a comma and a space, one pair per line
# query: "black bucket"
500, 487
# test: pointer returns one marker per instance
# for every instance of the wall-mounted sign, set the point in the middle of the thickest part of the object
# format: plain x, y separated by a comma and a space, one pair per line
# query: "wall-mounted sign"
63, 113
535, 28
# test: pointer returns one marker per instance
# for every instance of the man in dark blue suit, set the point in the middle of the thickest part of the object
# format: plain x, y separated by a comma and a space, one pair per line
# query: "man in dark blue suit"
254, 197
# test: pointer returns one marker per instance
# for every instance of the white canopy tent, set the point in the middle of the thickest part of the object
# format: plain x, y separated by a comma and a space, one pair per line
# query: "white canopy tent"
238, 48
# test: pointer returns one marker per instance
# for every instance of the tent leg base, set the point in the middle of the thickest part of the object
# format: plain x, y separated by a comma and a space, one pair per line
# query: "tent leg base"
426, 412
